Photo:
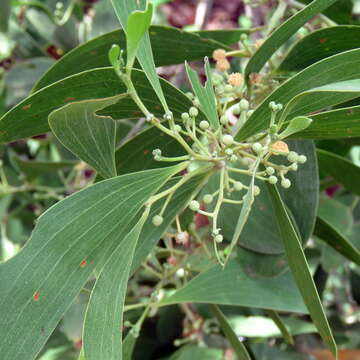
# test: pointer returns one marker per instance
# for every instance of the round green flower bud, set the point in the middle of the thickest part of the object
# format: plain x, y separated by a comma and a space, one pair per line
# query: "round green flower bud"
294, 167
194, 205
273, 106
219, 238
270, 170
224, 120
177, 128
273, 179
249, 113
193, 111
227, 139
149, 117
219, 89
285, 183
190, 95
293, 157
185, 116
244, 104
208, 199
157, 220
244, 37
302, 159
196, 102
238, 186
236, 110
257, 147
233, 158
256, 190
204, 125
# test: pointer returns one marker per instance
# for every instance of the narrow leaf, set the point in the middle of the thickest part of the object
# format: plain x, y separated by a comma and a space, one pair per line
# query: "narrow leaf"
319, 45
238, 346
283, 33
245, 209
338, 241
342, 170
281, 326
137, 25
333, 124
123, 9
231, 286
300, 270
205, 94
170, 46
30, 117
90, 136
104, 317
296, 125
337, 68
70, 240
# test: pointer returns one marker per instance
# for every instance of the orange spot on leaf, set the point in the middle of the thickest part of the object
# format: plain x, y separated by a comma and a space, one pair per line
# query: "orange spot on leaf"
26, 107
323, 41
83, 263
146, 151
36, 296
69, 99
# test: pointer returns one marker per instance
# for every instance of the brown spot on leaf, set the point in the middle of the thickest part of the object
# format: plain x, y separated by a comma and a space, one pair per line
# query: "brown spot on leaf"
26, 107
83, 263
69, 99
36, 296
323, 41
146, 151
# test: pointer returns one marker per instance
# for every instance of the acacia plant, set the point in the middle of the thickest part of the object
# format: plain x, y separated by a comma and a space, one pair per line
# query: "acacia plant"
212, 203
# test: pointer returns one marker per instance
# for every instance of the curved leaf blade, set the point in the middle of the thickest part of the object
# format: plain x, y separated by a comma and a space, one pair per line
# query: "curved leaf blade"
103, 324
171, 46
333, 124
341, 169
30, 117
231, 286
319, 45
238, 346
337, 68
300, 270
44, 278
89, 136
283, 33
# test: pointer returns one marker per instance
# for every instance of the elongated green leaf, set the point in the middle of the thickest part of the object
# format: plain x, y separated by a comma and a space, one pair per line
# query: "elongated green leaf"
170, 46
33, 169
30, 117
296, 125
102, 330
337, 68
198, 353
128, 346
5, 8
205, 94
330, 94
238, 346
224, 36
338, 241
319, 45
342, 170
70, 240
231, 286
245, 208
137, 25
123, 9
334, 124
89, 136
283, 33
281, 326
300, 270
